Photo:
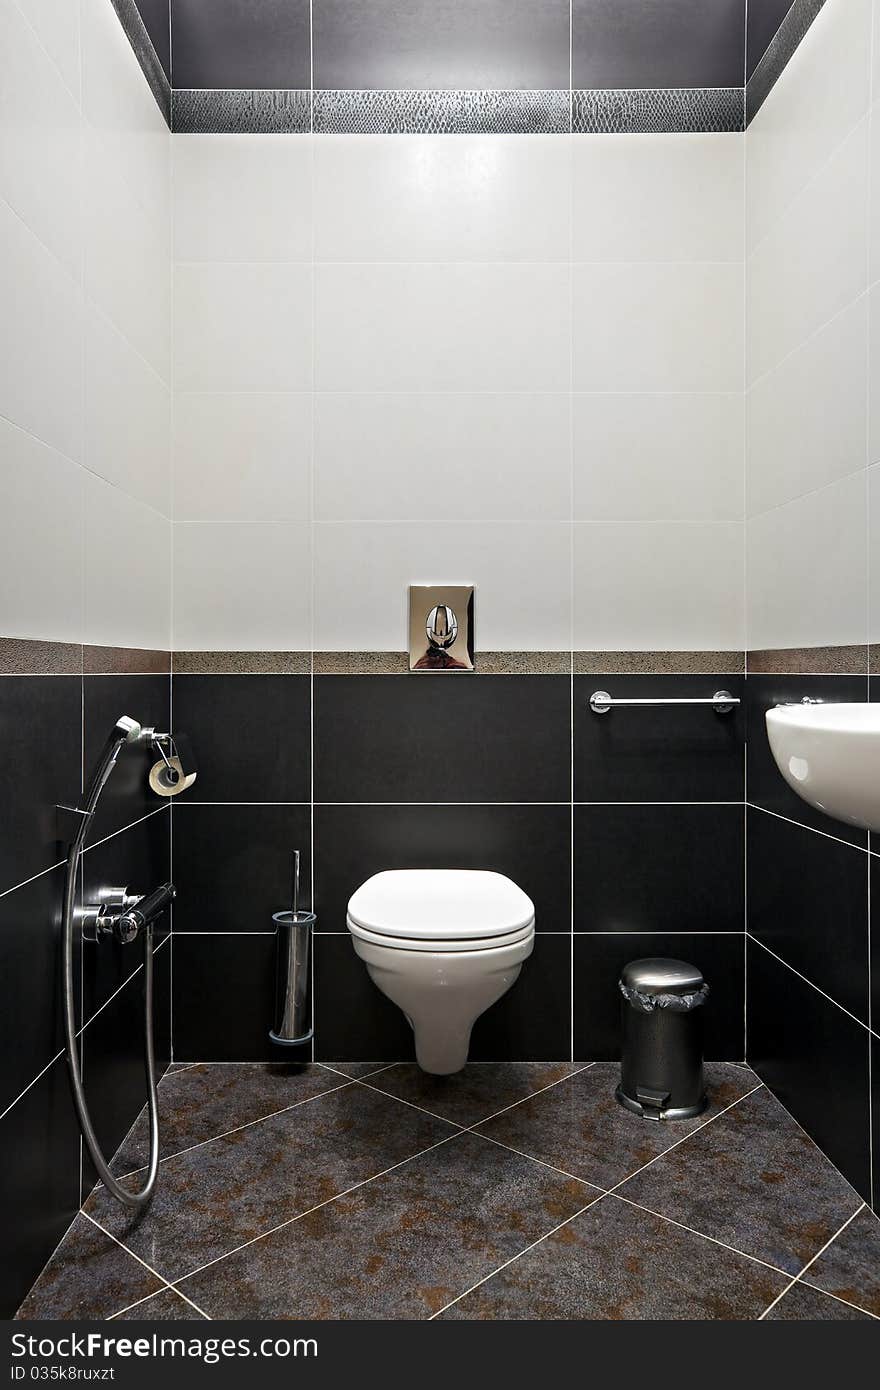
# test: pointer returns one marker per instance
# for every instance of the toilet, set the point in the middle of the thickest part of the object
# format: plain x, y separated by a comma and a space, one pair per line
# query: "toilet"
444, 945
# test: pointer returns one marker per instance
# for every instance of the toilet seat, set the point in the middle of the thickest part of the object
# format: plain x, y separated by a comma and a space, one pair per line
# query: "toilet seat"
446, 909
453, 945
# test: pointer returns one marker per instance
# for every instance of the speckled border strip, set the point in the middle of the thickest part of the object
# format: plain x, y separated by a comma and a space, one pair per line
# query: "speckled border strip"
213, 111
657, 110
659, 663
809, 661
485, 664
779, 53
25, 656
447, 112
125, 661
241, 663
135, 31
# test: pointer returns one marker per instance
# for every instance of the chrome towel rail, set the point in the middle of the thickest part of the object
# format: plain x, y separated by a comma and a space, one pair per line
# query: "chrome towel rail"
722, 702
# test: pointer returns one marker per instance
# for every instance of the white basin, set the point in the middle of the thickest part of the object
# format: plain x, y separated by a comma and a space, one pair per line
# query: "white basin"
830, 755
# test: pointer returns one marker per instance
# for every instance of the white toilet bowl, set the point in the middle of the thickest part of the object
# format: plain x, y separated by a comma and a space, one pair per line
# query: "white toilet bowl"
444, 945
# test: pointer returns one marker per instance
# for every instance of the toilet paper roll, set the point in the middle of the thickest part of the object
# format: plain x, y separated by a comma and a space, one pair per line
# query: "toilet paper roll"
161, 783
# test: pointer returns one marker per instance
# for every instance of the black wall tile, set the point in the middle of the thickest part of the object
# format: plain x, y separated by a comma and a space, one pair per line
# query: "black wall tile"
441, 43
442, 738
223, 1000
113, 1060
250, 736
138, 859
674, 43
532, 1021
666, 753
808, 902
30, 1019
598, 961
875, 942
41, 720
155, 14
875, 1108
658, 868
354, 1022
39, 1194
241, 43
765, 784
232, 865
531, 844
127, 795
814, 1058
764, 18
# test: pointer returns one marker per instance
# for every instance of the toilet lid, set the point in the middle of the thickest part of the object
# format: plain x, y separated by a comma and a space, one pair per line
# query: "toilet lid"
440, 904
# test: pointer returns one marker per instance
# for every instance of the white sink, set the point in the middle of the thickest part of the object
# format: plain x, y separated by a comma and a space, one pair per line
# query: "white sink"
830, 755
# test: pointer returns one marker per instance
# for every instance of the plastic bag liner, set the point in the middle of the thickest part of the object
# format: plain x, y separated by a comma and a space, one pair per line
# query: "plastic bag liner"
679, 1003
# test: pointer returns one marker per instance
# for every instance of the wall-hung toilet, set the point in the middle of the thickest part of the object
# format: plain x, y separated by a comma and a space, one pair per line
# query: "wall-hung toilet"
444, 945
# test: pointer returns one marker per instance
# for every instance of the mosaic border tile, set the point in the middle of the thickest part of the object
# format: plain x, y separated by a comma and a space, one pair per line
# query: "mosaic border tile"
778, 54
125, 661
135, 31
25, 656
809, 661
253, 111
657, 110
442, 112
241, 663
397, 664
659, 663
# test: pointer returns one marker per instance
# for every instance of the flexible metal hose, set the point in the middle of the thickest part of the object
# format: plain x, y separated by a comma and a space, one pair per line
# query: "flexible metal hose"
130, 1199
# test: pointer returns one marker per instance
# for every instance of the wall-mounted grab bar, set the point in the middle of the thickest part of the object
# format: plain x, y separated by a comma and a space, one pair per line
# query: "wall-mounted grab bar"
722, 702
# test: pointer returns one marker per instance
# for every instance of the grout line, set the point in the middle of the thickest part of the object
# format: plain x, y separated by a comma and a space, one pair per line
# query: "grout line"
149, 1299
812, 985
328, 1066
236, 1129
32, 1082
140, 1261
798, 1277
465, 1129
826, 834
734, 1250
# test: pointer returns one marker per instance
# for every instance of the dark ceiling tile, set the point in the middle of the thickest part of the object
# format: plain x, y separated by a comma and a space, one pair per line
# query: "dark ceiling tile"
241, 43
764, 18
157, 22
643, 43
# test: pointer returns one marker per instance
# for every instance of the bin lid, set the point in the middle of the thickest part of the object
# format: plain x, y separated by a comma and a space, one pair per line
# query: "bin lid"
654, 975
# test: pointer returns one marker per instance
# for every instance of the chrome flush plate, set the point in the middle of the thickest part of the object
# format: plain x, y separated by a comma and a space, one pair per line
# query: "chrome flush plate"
441, 627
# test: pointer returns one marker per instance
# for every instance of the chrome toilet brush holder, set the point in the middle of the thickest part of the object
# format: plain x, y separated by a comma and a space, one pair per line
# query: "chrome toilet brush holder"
293, 969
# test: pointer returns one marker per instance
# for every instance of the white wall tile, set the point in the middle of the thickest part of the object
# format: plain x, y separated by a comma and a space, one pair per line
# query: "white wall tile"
643, 327
807, 417
41, 540
521, 572
807, 569
127, 261
128, 416
242, 327
658, 198
655, 585
123, 113
127, 570
241, 586
442, 327
673, 457
41, 346
242, 457
420, 198
874, 375
874, 195
389, 456
242, 198
874, 554
822, 94
813, 263
40, 141
56, 24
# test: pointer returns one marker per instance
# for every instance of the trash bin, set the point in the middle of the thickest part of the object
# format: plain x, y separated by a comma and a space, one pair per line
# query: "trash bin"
661, 1067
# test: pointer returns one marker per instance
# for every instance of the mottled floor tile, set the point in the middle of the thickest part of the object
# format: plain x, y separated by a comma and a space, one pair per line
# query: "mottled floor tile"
166, 1306
89, 1276
850, 1267
475, 1093
802, 1304
204, 1101
355, 1069
578, 1125
618, 1264
754, 1180
213, 1198
399, 1247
